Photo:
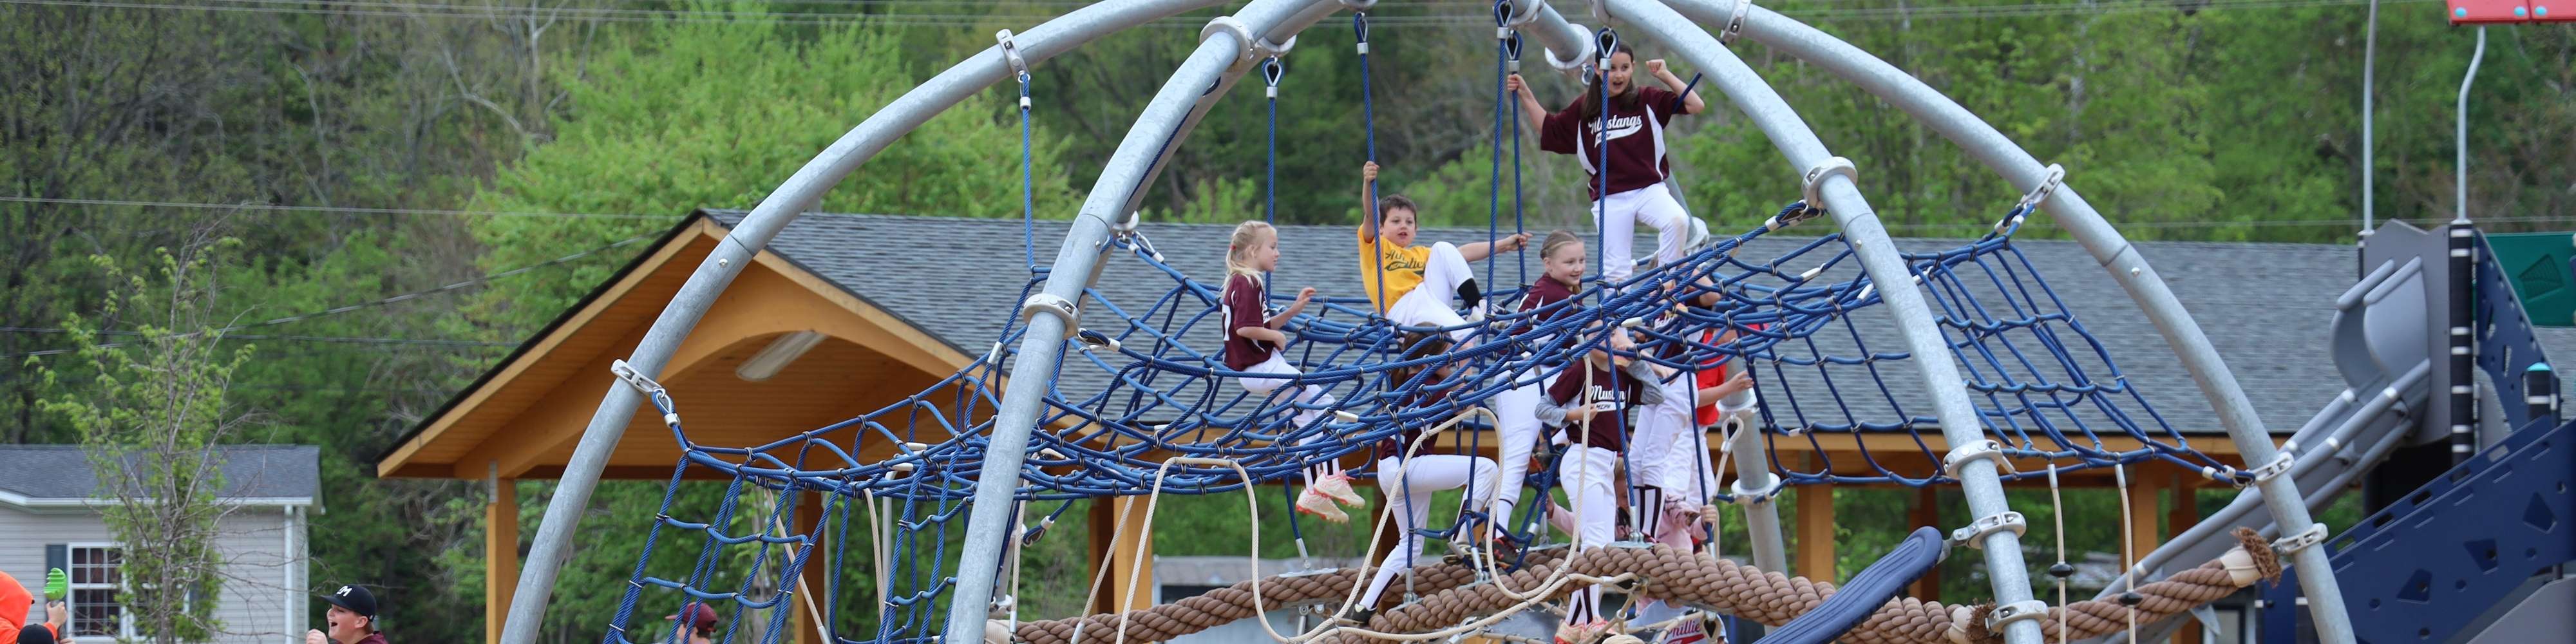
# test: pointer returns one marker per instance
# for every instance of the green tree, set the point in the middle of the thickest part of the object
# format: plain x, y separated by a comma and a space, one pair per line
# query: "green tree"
151, 424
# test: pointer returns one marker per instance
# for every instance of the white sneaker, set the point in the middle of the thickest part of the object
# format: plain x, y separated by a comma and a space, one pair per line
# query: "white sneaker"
1698, 233
1316, 503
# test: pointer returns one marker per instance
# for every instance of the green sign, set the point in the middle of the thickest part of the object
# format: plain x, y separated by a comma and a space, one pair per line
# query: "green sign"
2537, 264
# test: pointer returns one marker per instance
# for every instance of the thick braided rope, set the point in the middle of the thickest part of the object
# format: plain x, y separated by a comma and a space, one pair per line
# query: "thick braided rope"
1234, 602
1773, 598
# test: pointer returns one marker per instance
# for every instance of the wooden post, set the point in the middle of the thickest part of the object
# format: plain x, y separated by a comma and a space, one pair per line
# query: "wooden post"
1102, 518
1131, 555
1927, 512
2142, 518
500, 555
2184, 514
1816, 529
812, 579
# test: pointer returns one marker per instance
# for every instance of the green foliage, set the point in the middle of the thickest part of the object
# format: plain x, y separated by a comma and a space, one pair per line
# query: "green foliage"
149, 423
701, 114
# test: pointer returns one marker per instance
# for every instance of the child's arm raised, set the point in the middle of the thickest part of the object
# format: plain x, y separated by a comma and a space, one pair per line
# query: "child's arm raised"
1690, 101
1368, 201
1532, 115
1480, 250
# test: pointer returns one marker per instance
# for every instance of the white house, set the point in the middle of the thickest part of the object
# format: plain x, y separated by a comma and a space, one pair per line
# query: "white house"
49, 518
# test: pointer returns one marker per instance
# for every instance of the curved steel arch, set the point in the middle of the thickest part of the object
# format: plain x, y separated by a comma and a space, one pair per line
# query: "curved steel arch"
2097, 236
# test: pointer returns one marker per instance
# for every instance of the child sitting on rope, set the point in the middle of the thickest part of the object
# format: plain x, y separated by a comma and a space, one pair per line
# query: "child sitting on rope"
1633, 192
1395, 278
1254, 343
1579, 402
1407, 474
1670, 474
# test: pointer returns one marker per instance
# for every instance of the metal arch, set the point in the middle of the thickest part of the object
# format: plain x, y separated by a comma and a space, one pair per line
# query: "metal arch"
1880, 260
794, 196
2191, 346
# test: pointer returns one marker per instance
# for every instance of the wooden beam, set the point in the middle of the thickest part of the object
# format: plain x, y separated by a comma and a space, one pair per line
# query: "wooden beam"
2184, 514
1927, 512
1131, 550
1102, 518
1816, 531
814, 577
2143, 515
500, 555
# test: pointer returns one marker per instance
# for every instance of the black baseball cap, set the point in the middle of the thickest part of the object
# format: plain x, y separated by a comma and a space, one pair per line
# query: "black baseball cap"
354, 598
37, 633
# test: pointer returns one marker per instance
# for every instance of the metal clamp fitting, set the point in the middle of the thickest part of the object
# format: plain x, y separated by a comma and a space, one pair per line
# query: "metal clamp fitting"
1127, 225
1815, 179
2049, 180
1049, 304
1755, 496
1574, 63
1095, 340
1245, 41
1974, 535
2006, 614
1601, 13
1359, 5
1605, 43
626, 373
1011, 53
1735, 24
1964, 453
2291, 545
2280, 463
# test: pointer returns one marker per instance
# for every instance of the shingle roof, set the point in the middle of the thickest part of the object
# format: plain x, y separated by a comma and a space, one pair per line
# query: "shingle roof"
56, 472
2267, 307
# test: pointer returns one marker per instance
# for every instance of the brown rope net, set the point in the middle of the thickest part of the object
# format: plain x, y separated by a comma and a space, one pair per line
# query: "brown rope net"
1450, 595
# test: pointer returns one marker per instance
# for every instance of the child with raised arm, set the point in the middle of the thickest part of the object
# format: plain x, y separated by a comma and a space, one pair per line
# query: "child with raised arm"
1411, 285
1631, 151
1254, 343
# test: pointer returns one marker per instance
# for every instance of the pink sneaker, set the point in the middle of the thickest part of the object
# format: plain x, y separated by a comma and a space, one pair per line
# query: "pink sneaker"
1587, 633
1315, 503
1338, 486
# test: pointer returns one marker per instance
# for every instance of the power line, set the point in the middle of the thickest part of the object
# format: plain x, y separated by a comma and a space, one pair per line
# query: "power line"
478, 281
293, 338
326, 209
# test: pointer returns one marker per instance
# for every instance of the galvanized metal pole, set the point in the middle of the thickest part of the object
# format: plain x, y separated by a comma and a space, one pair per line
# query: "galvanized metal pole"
2191, 346
1880, 260
1222, 55
581, 475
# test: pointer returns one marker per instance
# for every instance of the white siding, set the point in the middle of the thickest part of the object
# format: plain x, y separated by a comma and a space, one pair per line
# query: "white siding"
265, 572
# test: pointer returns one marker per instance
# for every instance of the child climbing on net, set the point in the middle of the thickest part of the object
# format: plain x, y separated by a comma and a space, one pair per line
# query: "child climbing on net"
1562, 258
1394, 272
1408, 474
1630, 151
1255, 343
1586, 402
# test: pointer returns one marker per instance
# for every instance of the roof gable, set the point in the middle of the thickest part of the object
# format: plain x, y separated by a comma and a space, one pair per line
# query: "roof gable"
264, 474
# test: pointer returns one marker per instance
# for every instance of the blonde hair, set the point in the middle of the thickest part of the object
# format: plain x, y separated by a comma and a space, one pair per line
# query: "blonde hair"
1238, 249
1556, 239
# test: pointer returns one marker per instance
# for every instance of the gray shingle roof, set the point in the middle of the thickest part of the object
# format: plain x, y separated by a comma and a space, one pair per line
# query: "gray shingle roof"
2267, 307
56, 472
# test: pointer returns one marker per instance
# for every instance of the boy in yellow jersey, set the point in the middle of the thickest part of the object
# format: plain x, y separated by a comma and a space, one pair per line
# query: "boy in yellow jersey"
1394, 272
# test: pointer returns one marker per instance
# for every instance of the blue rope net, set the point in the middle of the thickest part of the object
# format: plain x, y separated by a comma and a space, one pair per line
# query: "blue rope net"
1144, 383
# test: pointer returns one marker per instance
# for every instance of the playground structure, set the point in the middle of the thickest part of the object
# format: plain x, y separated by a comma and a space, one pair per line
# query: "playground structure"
1134, 405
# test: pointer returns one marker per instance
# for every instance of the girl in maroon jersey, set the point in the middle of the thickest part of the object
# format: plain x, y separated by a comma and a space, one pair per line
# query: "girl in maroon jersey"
1631, 151
1562, 259
1409, 475
1254, 343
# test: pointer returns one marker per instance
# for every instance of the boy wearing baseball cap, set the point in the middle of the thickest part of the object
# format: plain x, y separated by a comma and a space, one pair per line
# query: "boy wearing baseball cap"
352, 619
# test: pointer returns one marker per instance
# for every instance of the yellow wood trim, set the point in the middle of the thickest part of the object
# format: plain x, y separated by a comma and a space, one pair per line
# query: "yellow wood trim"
546, 346
1816, 533
935, 356
500, 555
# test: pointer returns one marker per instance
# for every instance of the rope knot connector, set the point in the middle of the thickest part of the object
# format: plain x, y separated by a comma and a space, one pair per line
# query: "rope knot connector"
1815, 178
1271, 72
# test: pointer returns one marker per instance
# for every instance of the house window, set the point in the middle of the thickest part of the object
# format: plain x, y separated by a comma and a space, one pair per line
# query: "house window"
96, 576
